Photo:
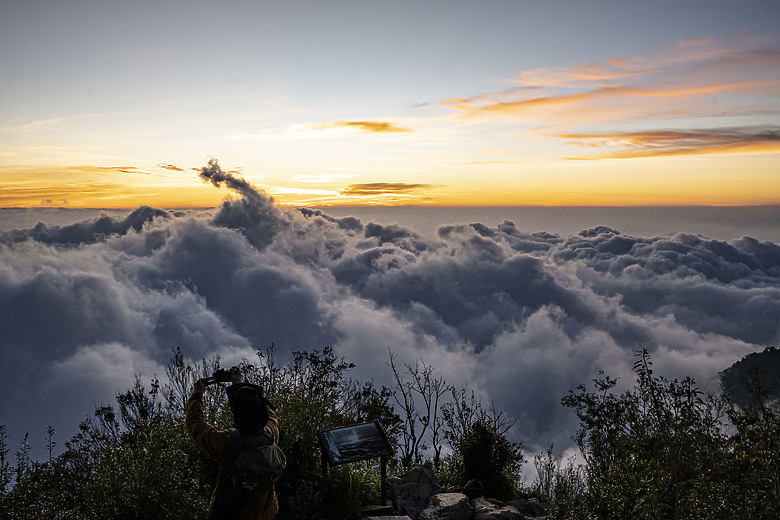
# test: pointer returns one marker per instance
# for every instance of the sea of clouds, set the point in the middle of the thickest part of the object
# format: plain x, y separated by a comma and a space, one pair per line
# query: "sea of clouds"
520, 317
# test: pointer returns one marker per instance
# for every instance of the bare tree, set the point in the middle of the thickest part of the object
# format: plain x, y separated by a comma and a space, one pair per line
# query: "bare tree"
412, 385
465, 408
431, 389
404, 398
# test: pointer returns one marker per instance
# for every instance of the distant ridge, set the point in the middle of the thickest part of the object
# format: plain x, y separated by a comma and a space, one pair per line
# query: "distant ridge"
762, 367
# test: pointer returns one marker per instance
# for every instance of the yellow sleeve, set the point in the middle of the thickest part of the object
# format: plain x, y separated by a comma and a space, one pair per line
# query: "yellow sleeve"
211, 440
273, 422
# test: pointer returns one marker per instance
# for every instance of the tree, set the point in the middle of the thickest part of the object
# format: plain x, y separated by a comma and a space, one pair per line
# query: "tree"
655, 451
754, 467
313, 393
489, 457
413, 385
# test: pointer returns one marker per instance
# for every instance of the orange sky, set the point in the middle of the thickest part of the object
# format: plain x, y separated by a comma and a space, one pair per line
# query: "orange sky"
687, 116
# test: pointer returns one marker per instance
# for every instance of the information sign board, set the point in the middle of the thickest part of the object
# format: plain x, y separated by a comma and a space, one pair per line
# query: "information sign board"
354, 443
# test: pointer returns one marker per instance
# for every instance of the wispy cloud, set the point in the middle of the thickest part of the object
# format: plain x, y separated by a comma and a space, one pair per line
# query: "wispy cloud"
383, 188
320, 131
485, 163
688, 82
675, 142
371, 127
34, 125
170, 167
616, 103
123, 169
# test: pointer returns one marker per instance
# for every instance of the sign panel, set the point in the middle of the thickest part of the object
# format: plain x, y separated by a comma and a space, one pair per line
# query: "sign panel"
354, 443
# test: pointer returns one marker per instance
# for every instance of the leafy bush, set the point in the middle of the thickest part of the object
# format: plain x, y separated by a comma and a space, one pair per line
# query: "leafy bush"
560, 485
136, 461
486, 455
662, 450
110, 464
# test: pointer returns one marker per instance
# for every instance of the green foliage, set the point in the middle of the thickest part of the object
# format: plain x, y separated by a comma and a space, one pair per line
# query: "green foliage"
661, 450
137, 465
135, 461
754, 463
313, 393
490, 458
560, 485
349, 487
480, 449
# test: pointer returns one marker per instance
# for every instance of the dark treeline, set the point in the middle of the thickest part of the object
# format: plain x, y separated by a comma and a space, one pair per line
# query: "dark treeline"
662, 449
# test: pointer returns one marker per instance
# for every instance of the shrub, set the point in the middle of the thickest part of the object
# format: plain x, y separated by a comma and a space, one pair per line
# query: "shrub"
136, 461
661, 450
484, 454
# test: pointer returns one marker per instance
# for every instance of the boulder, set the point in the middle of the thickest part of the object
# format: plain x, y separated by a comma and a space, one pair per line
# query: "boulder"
448, 506
488, 510
377, 511
530, 508
413, 490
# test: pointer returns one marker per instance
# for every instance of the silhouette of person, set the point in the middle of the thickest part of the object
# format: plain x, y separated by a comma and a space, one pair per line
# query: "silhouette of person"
251, 416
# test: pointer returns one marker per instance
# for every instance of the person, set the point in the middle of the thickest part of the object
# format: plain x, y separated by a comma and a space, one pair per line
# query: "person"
251, 416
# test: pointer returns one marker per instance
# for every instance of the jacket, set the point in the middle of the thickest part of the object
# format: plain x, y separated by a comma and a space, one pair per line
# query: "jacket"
226, 501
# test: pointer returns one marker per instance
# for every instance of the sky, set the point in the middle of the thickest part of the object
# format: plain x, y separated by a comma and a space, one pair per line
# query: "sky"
519, 316
222, 127
496, 103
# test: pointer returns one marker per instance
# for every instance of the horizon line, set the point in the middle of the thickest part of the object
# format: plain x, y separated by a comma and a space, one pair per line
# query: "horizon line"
415, 206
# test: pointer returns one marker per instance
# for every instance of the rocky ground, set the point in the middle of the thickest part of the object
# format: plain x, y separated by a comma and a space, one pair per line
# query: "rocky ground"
417, 496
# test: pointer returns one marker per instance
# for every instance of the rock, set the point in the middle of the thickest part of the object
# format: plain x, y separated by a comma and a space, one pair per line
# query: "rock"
474, 489
413, 490
488, 510
448, 506
388, 518
374, 511
530, 508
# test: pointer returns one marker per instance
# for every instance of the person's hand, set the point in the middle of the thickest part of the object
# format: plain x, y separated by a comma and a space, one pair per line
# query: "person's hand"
199, 387
235, 375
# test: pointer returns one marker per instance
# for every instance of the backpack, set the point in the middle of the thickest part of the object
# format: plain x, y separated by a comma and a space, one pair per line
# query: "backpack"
260, 462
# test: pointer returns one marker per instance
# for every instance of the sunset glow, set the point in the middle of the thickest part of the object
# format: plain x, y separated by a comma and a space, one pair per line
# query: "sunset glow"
451, 114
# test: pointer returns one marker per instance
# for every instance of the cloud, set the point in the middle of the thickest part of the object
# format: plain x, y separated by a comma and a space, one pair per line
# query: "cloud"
321, 131
86, 232
485, 163
682, 142
383, 188
613, 103
34, 125
687, 83
170, 167
521, 317
371, 127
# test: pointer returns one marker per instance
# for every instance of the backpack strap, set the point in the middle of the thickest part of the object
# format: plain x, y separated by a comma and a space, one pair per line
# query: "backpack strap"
264, 438
235, 434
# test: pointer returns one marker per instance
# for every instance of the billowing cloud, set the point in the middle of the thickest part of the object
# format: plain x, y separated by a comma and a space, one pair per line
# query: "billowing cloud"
519, 316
